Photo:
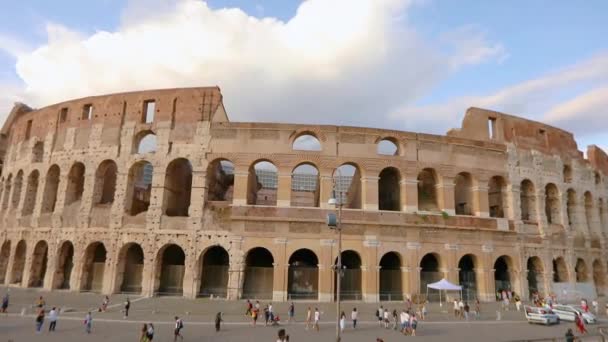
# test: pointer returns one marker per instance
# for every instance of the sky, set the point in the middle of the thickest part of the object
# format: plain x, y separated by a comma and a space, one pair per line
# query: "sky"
413, 65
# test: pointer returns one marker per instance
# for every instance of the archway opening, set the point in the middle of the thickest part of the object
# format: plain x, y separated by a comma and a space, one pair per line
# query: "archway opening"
305, 186
75, 184
178, 187
599, 277
262, 184
306, 142
527, 198
560, 271
348, 186
220, 181
5, 253
65, 264
8, 184
259, 273
390, 277
567, 172
467, 278
388, 147
105, 183
31, 192
303, 275
389, 189
17, 185
214, 273
18, 263
430, 273
427, 190
581, 271
552, 206
463, 194
39, 265
49, 197
502, 273
172, 268
350, 283
38, 152
145, 142
497, 196
93, 267
132, 261
571, 206
139, 188
535, 275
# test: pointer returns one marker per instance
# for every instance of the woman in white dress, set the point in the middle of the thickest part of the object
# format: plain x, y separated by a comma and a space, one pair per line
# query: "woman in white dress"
342, 321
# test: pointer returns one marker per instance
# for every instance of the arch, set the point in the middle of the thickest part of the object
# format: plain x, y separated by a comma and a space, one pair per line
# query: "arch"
139, 188
93, 267
390, 277
38, 152
220, 180
535, 269
39, 265
560, 270
51, 185
170, 270
17, 185
18, 263
105, 183
389, 189
145, 142
599, 277
427, 190
7, 191
597, 177
571, 206
567, 173
430, 273
552, 203
388, 147
259, 274
600, 210
305, 186
64, 265
467, 277
31, 192
502, 273
5, 253
306, 141
588, 209
262, 184
463, 194
350, 284
582, 274
527, 197
497, 196
303, 275
348, 185
215, 264
177, 188
130, 268
75, 184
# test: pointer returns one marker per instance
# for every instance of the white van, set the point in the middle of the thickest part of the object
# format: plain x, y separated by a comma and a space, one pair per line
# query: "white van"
569, 312
540, 315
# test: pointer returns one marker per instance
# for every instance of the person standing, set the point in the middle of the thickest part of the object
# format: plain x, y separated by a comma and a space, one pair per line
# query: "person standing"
39, 320
477, 308
127, 307
380, 314
218, 321
466, 311
249, 307
354, 316
40, 303
317, 318
580, 324
518, 303
143, 337
404, 321
395, 319
52, 319
596, 306
150, 332
386, 318
177, 332
342, 321
5, 303
270, 313
88, 322
569, 336
413, 325
461, 308
456, 313
266, 315
104, 304
291, 312
424, 310
254, 316
308, 317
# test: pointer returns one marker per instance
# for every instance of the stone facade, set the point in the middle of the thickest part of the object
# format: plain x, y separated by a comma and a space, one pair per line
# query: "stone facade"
156, 192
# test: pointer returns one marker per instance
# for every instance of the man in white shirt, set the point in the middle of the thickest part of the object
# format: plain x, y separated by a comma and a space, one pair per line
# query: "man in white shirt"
52, 319
456, 313
317, 318
354, 315
460, 308
270, 312
404, 318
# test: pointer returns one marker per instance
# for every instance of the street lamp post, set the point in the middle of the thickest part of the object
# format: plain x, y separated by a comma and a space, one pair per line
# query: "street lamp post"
332, 222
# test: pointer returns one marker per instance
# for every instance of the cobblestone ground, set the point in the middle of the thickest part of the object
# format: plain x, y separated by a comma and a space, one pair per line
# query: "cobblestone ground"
198, 316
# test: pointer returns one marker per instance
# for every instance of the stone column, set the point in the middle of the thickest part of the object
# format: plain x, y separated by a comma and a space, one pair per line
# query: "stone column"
484, 279
236, 276
197, 194
445, 192
284, 188
481, 205
240, 186
326, 272
189, 287
409, 194
406, 283
370, 273
119, 206
514, 198
369, 192
51, 267
279, 282
148, 275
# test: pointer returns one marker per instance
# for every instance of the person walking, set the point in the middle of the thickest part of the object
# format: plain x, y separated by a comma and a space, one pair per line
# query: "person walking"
518, 303
424, 310
404, 318
104, 304
317, 318
218, 321
127, 307
270, 313
395, 319
266, 315
456, 313
291, 312
254, 316
580, 324
52, 319
342, 321
477, 308
380, 315
150, 332
461, 308
177, 332
249, 307
88, 322
596, 307
466, 311
413, 325
354, 316
39, 320
386, 318
143, 336
308, 317
5, 300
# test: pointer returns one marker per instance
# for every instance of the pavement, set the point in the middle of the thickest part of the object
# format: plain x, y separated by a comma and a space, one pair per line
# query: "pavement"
198, 315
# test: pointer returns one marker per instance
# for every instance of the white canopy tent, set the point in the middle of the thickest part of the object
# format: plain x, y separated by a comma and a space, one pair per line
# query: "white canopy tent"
443, 285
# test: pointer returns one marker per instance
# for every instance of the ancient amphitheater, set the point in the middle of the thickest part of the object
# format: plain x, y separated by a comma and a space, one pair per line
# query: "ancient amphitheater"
158, 193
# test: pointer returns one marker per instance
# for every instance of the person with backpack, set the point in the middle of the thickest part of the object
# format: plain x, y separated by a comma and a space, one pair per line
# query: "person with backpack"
39, 320
179, 325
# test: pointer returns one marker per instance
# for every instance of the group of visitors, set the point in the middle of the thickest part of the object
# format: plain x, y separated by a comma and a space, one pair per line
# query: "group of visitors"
41, 314
406, 321
462, 309
253, 311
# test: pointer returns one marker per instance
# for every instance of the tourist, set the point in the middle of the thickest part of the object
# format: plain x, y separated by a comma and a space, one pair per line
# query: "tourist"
569, 336
506, 302
266, 315
127, 307
218, 321
308, 317
317, 318
466, 309
342, 321
88, 322
518, 303
257, 305
143, 337
5, 300
456, 312
177, 332
380, 314
40, 303
580, 324
405, 321
270, 313
249, 307
354, 316
408, 304
104, 304
596, 306
413, 325
39, 319
283, 337
254, 316
150, 332
584, 305
461, 308
424, 310
291, 312
386, 318
395, 319
477, 308
52, 319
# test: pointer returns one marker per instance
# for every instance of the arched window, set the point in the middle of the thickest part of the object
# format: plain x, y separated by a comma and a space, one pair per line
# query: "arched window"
528, 201
427, 190
262, 184
497, 196
535, 275
463, 194
38, 152
560, 271
303, 275
600, 209
306, 142
305, 186
8, 184
145, 142
139, 188
220, 180
389, 189
571, 206
49, 197
467, 277
75, 184
18, 184
30, 193
598, 178
390, 277
105, 183
388, 147
567, 172
430, 273
348, 186
552, 205
178, 187
258, 274
581, 271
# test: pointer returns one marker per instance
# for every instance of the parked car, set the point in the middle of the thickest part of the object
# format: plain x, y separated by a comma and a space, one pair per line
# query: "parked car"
588, 317
540, 315
569, 312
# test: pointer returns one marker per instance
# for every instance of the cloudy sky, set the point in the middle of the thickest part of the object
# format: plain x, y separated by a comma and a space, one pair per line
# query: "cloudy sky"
402, 64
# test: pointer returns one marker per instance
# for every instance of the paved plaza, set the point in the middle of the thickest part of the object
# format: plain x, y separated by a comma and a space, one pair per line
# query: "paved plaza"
18, 324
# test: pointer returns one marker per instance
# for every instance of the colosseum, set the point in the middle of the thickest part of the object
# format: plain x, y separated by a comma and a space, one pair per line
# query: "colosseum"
158, 193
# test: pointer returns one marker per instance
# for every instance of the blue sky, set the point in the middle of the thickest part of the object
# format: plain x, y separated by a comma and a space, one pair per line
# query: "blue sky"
415, 64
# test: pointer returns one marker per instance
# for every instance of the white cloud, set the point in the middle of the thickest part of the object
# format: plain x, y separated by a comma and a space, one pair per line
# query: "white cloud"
470, 47
586, 113
335, 61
